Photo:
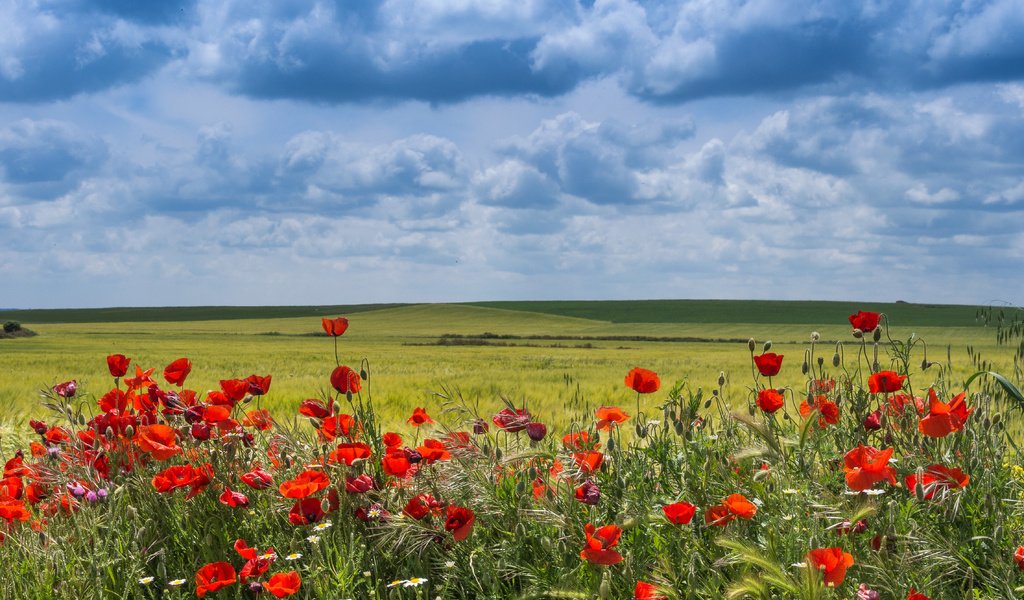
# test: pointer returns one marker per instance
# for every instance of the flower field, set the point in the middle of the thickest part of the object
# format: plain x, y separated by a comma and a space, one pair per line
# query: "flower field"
878, 475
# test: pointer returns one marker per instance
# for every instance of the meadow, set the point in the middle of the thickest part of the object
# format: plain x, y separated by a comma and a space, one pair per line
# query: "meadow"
506, 452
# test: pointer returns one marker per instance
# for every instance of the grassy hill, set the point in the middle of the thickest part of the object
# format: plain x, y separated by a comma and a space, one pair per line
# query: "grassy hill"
180, 313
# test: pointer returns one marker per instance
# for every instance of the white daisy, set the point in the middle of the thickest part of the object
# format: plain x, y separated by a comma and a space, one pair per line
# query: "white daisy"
415, 581
294, 556
176, 582
146, 580
322, 526
313, 539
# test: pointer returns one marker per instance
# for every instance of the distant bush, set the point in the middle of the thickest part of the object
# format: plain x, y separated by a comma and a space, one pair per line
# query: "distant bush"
12, 326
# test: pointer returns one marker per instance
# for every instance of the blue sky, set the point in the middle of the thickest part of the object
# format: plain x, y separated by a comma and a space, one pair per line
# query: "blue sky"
312, 152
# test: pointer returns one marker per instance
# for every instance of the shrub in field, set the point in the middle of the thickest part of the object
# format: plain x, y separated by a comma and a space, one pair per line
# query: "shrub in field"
864, 483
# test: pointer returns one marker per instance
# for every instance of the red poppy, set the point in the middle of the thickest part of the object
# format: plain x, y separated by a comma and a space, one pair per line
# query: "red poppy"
647, 591
11, 487
118, 364
600, 541
213, 577
260, 419
937, 478
338, 424
588, 462
680, 513
420, 506
768, 364
833, 562
176, 372
943, 419
460, 522
12, 510
159, 441
770, 400
233, 499
258, 479
305, 484
643, 381
202, 476
419, 417
392, 439
283, 584
1018, 557
395, 463
314, 408
579, 441
115, 399
865, 466
823, 386
215, 413
609, 415
916, 595
864, 320
306, 511
142, 379
432, 451
828, 411
259, 385
897, 404
234, 390
359, 485
740, 506
512, 420
349, 453
334, 327
66, 389
257, 565
345, 380
884, 382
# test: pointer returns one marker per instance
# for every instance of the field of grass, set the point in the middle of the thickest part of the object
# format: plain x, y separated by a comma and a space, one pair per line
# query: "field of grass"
532, 365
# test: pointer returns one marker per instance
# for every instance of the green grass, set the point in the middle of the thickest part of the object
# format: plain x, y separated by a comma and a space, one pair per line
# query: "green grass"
178, 313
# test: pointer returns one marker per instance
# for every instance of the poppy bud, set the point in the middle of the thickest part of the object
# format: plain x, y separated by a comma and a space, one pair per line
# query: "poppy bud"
751, 344
804, 368
918, 487
611, 444
866, 593
821, 361
707, 403
255, 587
641, 431
857, 333
363, 374
412, 456
875, 367
877, 335
835, 359
479, 427
604, 590
536, 431
678, 426
762, 474
767, 346
109, 433
721, 378
925, 364
129, 431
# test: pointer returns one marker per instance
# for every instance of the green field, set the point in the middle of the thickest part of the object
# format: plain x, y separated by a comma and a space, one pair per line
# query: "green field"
543, 354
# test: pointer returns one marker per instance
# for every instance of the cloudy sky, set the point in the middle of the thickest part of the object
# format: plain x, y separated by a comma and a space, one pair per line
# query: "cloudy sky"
309, 152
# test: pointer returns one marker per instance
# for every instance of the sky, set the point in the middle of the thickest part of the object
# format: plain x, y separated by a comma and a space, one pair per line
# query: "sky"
253, 152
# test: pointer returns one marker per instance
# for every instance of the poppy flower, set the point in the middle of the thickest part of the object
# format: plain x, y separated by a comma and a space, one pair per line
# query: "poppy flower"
937, 478
306, 511
334, 327
588, 493
159, 441
873, 422
234, 390
176, 372
609, 415
680, 513
828, 411
396, 464
646, 591
12, 510
260, 419
421, 505
258, 479
202, 476
257, 565
259, 385
213, 577
432, 451
359, 485
1018, 557
338, 424
588, 462
943, 419
916, 595
392, 439
599, 544
740, 506
66, 389
345, 380
314, 408
233, 499
884, 382
142, 379
770, 400
579, 441
117, 364
173, 478
536, 431
459, 522
419, 417
11, 487
283, 584
349, 453
897, 403
115, 399
643, 381
306, 484
866, 465
833, 562
216, 413
512, 420
864, 320
768, 364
